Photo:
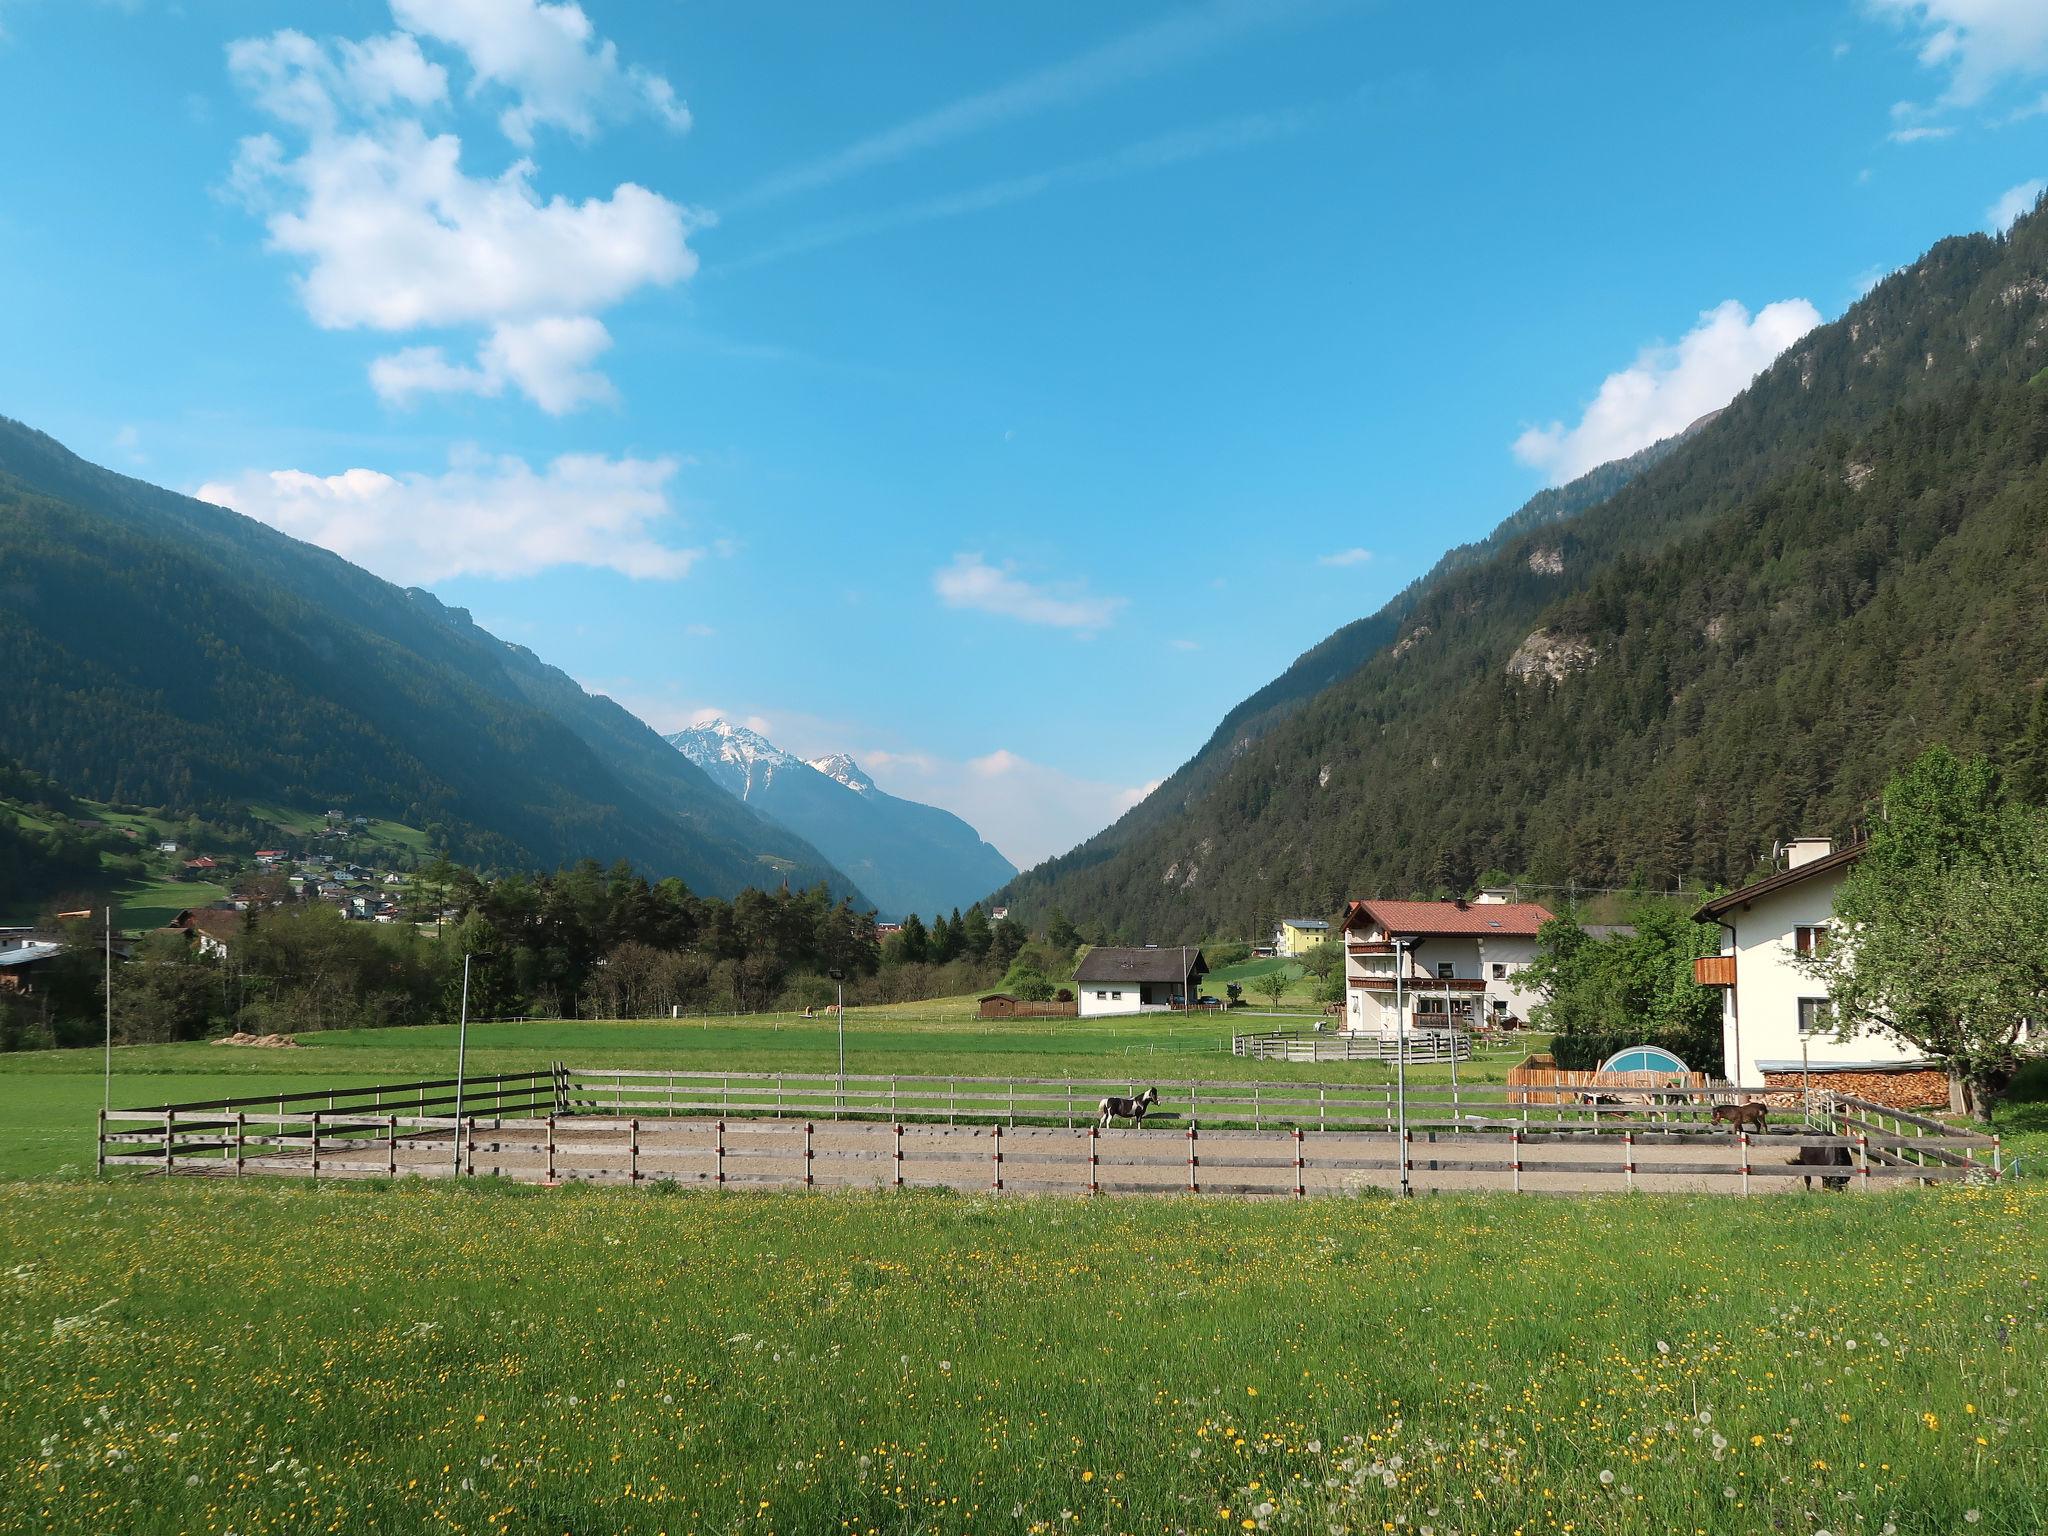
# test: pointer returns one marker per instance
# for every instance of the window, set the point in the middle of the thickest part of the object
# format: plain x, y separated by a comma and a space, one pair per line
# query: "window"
1444, 970
1118, 996
1500, 1007
1816, 1015
1102, 996
1810, 940
1500, 971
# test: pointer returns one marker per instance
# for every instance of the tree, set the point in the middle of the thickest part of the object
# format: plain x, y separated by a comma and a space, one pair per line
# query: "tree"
1272, 984
1631, 988
975, 934
1005, 942
1941, 937
940, 947
1324, 960
913, 943
1061, 934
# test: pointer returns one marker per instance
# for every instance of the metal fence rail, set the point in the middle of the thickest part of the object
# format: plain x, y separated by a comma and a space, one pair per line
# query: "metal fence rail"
802, 1130
1421, 1046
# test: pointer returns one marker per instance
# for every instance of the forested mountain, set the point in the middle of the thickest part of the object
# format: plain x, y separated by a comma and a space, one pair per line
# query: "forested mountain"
1737, 644
908, 857
160, 651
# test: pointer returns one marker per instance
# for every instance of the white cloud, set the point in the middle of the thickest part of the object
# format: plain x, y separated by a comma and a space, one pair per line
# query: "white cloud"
129, 441
1176, 39
1669, 387
2012, 204
1030, 810
543, 358
392, 234
549, 57
1185, 645
1353, 556
1979, 44
1920, 133
485, 516
971, 582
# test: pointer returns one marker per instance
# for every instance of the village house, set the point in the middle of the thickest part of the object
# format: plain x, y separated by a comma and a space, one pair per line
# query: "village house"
1294, 937
1438, 964
214, 929
20, 957
1111, 980
269, 858
1777, 1024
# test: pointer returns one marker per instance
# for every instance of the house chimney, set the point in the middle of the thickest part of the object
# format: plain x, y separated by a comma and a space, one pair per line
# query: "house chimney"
1801, 851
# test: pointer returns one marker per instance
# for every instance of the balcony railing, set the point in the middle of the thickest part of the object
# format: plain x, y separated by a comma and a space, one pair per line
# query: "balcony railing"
1714, 971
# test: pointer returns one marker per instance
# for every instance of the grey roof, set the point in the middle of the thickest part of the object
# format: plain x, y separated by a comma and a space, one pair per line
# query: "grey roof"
1819, 1065
1152, 964
29, 953
1304, 922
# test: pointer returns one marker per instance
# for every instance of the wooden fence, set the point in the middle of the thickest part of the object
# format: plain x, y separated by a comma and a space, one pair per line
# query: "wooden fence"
717, 1129
1567, 1085
1423, 1046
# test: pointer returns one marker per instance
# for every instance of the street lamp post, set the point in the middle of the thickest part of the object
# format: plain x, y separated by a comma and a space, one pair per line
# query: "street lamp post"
1401, 1062
461, 1063
839, 977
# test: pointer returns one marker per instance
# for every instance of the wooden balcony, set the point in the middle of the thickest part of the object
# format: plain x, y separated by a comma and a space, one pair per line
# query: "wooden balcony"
1714, 971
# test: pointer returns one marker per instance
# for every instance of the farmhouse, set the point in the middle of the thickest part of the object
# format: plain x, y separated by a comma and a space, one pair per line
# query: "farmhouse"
1438, 964
214, 928
1777, 1025
19, 959
1295, 936
1137, 980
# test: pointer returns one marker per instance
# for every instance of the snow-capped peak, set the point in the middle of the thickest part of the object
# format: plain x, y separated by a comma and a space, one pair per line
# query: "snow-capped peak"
740, 758
845, 770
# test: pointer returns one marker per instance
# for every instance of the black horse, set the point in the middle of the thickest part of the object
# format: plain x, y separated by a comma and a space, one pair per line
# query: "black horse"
1132, 1109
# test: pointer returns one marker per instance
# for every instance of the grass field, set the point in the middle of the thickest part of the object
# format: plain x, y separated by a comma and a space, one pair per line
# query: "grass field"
48, 1098
200, 1357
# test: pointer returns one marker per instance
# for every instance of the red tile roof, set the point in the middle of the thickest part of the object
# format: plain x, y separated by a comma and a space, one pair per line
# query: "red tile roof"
1517, 919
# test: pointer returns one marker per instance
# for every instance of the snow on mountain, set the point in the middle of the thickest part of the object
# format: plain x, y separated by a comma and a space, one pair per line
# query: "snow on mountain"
907, 857
743, 761
846, 771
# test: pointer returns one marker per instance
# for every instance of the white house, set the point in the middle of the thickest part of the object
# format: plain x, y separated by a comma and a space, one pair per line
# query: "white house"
1446, 963
1137, 980
1776, 1022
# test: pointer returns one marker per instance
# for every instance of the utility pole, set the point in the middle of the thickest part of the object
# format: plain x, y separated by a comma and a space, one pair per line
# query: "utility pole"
107, 1074
1401, 1062
461, 1062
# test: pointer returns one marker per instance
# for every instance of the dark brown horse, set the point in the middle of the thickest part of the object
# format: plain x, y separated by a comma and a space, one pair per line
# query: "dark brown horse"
1742, 1117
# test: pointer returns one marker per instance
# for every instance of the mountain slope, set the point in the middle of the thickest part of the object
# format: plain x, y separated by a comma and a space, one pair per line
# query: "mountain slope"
908, 857
1736, 645
162, 651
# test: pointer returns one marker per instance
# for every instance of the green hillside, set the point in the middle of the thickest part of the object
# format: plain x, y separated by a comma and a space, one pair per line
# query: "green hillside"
1736, 645
160, 651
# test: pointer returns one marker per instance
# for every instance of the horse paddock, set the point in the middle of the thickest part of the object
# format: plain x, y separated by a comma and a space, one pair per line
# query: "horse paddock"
1038, 1136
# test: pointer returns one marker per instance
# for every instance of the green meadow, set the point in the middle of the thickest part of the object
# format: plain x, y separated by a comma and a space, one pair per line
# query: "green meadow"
205, 1356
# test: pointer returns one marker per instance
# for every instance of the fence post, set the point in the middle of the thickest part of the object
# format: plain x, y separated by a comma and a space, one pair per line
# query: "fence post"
633, 1151
999, 1159
99, 1150
809, 1154
1322, 1108
1300, 1187
170, 1116
1628, 1155
241, 1139
899, 1152
551, 1149
391, 1145
1515, 1157
316, 1144
470, 1161
1094, 1162
1407, 1161
1013, 1101
1070, 1103
1194, 1187
952, 1100
1743, 1138
719, 1159
1863, 1160
1997, 1156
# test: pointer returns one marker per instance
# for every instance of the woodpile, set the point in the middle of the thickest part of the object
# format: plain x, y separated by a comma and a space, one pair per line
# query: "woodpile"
267, 1042
1895, 1090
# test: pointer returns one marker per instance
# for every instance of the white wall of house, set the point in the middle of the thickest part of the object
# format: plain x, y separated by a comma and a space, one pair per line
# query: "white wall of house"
1761, 1012
1102, 997
1497, 960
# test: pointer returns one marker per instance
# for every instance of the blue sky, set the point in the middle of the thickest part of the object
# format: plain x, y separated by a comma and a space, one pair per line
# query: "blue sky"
997, 392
